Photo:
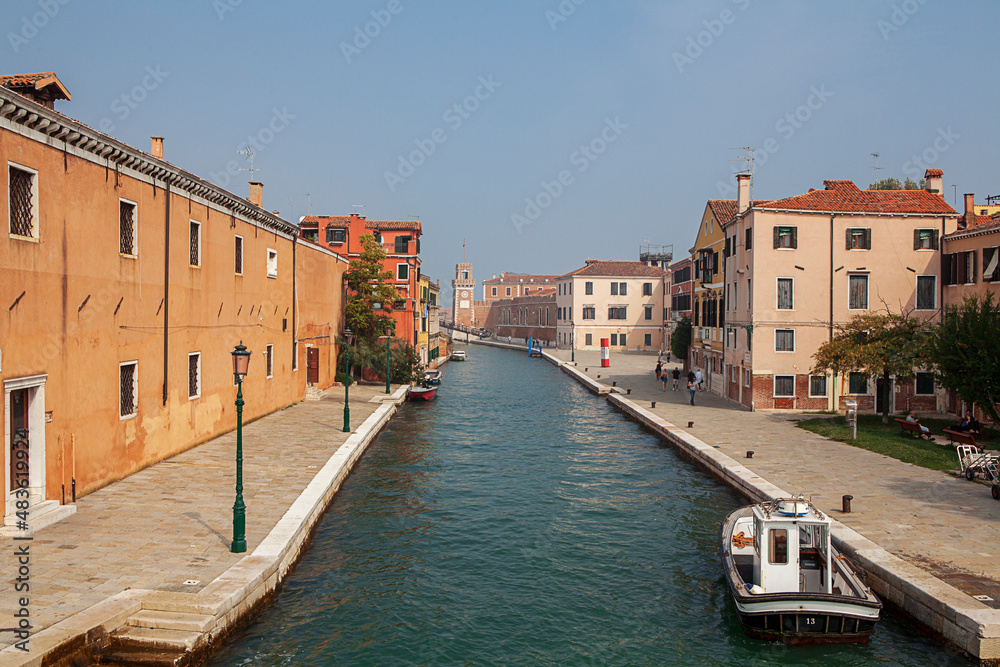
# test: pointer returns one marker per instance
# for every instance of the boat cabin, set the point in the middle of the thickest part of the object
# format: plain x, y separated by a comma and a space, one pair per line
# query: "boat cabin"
791, 548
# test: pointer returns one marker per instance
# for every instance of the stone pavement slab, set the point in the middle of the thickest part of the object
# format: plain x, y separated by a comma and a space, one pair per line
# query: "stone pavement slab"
169, 527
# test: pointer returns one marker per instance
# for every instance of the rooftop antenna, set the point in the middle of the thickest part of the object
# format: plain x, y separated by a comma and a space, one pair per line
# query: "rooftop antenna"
309, 203
875, 155
748, 159
248, 152
362, 207
291, 203
463, 251
954, 195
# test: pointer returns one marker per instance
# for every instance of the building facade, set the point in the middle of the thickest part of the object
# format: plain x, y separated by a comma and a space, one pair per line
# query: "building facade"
128, 283
513, 285
708, 294
463, 293
523, 317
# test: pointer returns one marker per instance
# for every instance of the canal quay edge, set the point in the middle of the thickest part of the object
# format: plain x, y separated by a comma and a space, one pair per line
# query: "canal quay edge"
938, 607
186, 628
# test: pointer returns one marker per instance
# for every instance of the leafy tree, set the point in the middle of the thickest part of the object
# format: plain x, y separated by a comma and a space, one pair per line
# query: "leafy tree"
966, 350
680, 339
404, 360
894, 184
369, 283
874, 343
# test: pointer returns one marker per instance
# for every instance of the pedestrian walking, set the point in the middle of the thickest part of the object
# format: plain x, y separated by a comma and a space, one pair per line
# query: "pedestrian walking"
677, 378
659, 370
692, 389
699, 378
663, 379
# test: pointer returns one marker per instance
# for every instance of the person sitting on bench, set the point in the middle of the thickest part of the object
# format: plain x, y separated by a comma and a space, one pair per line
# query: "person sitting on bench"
924, 431
969, 424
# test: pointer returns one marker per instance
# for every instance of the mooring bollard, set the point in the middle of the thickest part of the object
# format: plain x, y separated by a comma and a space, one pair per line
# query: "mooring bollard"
847, 504
690, 424
749, 453
628, 392
653, 404
615, 383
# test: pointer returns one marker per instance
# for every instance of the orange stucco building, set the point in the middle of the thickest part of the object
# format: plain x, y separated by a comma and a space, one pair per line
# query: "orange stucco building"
126, 283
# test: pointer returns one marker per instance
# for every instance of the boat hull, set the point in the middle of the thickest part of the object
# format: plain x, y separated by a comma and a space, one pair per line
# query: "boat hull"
807, 627
421, 394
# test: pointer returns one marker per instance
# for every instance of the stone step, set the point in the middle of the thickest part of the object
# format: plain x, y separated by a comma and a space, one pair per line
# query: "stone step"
147, 639
145, 658
40, 515
172, 620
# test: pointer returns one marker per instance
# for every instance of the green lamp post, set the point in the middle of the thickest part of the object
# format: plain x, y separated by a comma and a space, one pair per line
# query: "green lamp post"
241, 362
348, 338
388, 337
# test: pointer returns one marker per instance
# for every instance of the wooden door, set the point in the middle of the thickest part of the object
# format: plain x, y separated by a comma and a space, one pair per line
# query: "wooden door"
312, 365
18, 439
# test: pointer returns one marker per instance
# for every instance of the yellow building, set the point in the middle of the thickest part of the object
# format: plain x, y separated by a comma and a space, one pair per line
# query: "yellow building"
709, 294
423, 294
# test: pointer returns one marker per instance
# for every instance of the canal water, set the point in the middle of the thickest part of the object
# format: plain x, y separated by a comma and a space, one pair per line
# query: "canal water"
517, 520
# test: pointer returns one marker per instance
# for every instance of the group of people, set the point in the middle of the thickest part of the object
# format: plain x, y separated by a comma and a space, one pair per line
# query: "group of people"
694, 379
969, 424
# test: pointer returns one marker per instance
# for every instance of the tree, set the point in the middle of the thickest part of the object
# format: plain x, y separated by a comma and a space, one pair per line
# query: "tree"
368, 283
966, 351
894, 184
680, 339
882, 344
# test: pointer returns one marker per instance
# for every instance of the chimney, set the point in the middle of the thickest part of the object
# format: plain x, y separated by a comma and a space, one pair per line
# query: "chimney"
933, 181
157, 150
742, 192
257, 193
970, 205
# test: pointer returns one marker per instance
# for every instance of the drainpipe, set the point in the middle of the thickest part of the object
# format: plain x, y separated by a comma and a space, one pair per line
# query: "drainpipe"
295, 245
833, 391
166, 295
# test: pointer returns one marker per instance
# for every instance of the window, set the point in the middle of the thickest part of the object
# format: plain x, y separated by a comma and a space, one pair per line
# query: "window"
746, 377
465, 275
194, 239
925, 239
857, 383
859, 238
128, 391
817, 385
588, 287
269, 360
784, 340
779, 546
23, 209
617, 312
647, 339
786, 237
239, 255
785, 299
784, 386
857, 291
926, 292
925, 384
614, 289
126, 228
194, 375
648, 313
749, 240
272, 263
493, 291
508, 291
991, 264
621, 339
622, 289
589, 313
334, 235
402, 272
588, 339
295, 355
403, 248
614, 339
647, 289
749, 294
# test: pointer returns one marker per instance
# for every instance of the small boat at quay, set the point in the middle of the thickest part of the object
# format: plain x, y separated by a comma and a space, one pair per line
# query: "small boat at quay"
787, 580
432, 377
458, 355
422, 393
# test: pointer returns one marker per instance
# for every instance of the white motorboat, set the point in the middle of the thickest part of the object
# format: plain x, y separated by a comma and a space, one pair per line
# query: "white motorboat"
458, 355
787, 580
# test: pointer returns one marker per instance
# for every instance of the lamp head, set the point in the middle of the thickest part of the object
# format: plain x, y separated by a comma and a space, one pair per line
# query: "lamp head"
241, 361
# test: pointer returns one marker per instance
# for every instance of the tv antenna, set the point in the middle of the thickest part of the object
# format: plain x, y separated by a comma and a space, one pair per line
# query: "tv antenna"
309, 203
362, 207
875, 155
748, 160
248, 152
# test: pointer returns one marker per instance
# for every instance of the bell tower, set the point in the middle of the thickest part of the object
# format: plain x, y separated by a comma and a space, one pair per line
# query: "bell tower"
463, 290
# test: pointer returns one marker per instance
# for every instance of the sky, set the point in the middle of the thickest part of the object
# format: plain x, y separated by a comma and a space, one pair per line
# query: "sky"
530, 136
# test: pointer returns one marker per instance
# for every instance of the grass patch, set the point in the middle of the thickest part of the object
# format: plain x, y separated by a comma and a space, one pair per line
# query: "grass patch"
887, 439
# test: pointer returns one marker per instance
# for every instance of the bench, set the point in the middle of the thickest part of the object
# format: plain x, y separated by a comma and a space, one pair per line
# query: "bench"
910, 427
960, 438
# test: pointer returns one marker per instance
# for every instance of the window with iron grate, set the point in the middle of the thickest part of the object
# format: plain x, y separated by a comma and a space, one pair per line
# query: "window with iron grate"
128, 384
22, 203
194, 375
239, 255
195, 242
126, 228
269, 358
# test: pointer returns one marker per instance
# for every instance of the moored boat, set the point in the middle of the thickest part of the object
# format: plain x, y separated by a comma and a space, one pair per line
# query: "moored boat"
787, 580
432, 376
458, 355
422, 393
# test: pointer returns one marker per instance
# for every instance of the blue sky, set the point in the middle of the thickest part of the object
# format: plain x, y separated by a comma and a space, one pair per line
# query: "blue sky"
540, 133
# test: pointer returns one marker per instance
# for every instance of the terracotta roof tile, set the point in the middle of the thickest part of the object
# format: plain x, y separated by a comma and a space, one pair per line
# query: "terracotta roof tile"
616, 269
845, 197
38, 81
520, 278
724, 210
393, 224
319, 220
931, 173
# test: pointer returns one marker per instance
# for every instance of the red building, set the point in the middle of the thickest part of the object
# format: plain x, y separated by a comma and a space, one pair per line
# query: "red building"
681, 289
512, 285
401, 241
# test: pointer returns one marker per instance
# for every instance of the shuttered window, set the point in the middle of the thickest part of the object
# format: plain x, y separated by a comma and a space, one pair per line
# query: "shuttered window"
925, 239
786, 237
859, 238
857, 297
991, 264
785, 296
926, 292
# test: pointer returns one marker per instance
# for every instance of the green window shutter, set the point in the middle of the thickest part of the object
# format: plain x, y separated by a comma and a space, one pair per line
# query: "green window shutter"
934, 239
795, 237
850, 237
868, 238
777, 237
916, 239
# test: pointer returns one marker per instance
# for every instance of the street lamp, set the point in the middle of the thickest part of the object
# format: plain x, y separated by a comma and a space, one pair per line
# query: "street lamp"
241, 363
572, 343
388, 353
348, 338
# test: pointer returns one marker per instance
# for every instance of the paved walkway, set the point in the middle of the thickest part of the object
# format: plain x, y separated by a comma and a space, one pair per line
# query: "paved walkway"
936, 521
169, 527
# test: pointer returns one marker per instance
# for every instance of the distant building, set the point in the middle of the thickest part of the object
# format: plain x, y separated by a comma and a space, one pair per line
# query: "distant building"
708, 293
681, 290
522, 317
512, 285
463, 292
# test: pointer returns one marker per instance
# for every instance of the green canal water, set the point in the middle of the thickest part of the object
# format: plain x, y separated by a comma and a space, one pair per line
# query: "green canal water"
517, 520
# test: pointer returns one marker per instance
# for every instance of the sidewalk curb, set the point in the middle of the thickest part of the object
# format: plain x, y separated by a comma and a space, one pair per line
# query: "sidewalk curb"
231, 597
